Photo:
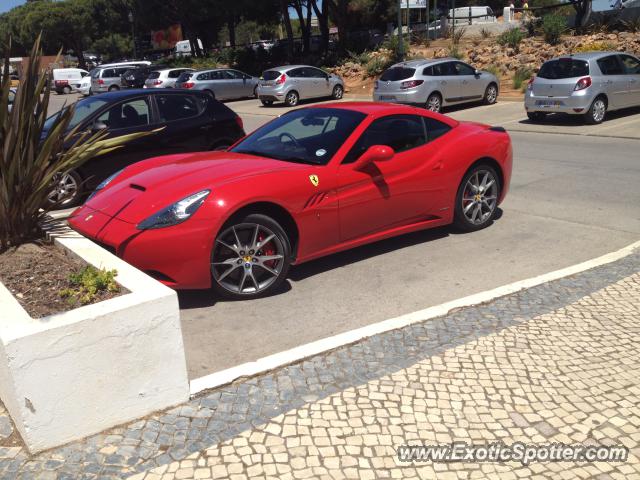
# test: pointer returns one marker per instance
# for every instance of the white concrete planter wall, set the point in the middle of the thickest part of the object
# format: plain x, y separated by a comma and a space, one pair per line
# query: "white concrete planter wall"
74, 374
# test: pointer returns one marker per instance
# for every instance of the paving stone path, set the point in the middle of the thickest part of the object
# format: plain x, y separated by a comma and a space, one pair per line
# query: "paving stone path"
556, 363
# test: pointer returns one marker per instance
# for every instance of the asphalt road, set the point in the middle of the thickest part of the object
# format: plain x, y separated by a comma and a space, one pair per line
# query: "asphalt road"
572, 198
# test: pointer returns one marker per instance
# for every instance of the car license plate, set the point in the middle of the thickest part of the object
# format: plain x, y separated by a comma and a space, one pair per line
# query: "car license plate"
387, 98
548, 103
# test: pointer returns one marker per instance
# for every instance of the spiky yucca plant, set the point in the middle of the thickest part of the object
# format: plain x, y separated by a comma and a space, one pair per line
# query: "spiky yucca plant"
32, 158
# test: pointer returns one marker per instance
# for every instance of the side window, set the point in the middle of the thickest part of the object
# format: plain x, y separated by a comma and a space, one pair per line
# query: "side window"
435, 128
134, 113
316, 73
12, 97
108, 73
121, 71
428, 71
203, 76
400, 132
444, 69
631, 64
296, 73
217, 75
463, 69
610, 65
174, 73
176, 107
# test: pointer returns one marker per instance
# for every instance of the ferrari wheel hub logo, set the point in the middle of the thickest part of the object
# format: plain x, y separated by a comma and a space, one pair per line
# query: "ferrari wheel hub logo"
247, 258
314, 180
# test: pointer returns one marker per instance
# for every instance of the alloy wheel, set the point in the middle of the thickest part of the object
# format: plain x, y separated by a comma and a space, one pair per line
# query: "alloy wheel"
491, 95
338, 92
480, 197
65, 190
433, 103
598, 111
247, 259
291, 99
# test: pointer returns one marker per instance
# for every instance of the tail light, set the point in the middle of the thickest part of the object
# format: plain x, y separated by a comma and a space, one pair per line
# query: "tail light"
583, 83
100, 81
61, 83
530, 84
188, 85
239, 122
157, 82
281, 79
411, 84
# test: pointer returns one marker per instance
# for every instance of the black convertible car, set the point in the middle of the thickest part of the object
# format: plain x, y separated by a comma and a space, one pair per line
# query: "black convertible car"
193, 121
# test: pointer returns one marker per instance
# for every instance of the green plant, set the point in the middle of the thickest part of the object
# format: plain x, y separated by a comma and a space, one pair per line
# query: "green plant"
376, 65
391, 43
87, 283
552, 28
520, 76
32, 156
457, 34
531, 26
594, 47
485, 32
493, 69
511, 38
631, 25
454, 51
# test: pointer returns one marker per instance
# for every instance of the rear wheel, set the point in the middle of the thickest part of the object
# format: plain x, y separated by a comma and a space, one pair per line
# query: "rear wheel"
490, 94
338, 92
434, 102
114, 88
250, 258
210, 93
67, 90
477, 198
267, 103
596, 112
536, 116
292, 99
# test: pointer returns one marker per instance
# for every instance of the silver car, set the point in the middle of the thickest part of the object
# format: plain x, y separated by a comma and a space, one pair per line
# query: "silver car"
108, 78
221, 83
587, 84
165, 78
435, 83
292, 83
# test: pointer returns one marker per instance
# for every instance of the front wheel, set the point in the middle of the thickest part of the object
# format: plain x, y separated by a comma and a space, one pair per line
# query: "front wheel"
434, 103
490, 95
114, 88
596, 112
250, 258
338, 92
67, 190
477, 199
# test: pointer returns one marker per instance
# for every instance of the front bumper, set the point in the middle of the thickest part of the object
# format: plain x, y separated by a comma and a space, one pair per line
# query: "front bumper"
575, 104
154, 251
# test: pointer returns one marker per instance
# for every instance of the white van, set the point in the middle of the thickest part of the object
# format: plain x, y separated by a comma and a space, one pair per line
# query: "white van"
67, 80
472, 15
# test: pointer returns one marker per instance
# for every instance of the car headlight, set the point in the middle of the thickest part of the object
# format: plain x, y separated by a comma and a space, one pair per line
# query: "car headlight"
175, 213
104, 183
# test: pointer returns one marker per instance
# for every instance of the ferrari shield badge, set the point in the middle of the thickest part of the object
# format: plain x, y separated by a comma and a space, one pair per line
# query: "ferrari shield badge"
314, 180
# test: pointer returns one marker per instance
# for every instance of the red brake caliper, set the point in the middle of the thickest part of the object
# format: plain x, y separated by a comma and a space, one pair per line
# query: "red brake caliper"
267, 250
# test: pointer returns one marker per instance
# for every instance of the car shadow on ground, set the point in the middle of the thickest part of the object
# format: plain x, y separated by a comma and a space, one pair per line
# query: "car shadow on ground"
567, 120
189, 299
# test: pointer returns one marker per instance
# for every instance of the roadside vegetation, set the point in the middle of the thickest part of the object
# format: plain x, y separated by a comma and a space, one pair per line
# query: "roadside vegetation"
87, 283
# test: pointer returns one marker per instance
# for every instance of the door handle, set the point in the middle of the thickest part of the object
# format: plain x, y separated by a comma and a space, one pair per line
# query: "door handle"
609, 82
464, 82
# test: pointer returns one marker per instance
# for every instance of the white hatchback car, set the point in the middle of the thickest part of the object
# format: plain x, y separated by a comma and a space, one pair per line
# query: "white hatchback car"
165, 78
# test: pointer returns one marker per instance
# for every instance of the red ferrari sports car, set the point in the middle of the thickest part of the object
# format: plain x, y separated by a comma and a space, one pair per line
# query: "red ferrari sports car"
310, 183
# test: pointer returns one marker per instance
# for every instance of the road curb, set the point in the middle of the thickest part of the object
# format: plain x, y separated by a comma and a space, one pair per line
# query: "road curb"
277, 360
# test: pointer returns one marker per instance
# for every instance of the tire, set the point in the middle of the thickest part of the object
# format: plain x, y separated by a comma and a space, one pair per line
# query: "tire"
476, 209
210, 93
68, 184
66, 90
434, 102
267, 103
338, 92
490, 94
292, 99
597, 111
238, 273
255, 92
114, 88
536, 116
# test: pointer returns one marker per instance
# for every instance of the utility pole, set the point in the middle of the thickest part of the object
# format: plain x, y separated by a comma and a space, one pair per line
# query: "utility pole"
400, 51
133, 34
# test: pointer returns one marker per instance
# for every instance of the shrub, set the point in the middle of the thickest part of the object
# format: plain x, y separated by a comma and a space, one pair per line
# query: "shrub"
594, 47
552, 27
631, 25
32, 158
493, 69
87, 283
391, 43
531, 25
511, 38
457, 34
485, 32
377, 64
455, 52
521, 75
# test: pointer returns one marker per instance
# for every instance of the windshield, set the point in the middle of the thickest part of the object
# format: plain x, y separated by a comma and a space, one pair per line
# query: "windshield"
564, 68
310, 135
397, 73
84, 108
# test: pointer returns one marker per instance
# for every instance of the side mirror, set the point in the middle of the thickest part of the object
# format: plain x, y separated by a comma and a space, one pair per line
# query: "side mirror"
477, 72
98, 126
375, 153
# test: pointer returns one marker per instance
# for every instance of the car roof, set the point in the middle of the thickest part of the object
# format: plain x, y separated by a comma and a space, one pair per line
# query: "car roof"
588, 55
424, 61
290, 67
134, 92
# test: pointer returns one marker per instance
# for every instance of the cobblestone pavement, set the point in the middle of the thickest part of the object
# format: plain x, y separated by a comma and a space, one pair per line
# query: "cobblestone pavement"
556, 363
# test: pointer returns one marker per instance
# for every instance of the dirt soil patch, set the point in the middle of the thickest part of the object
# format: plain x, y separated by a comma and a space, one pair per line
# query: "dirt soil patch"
36, 273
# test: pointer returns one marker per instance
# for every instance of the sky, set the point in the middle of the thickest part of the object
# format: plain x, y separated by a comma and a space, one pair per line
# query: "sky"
9, 4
